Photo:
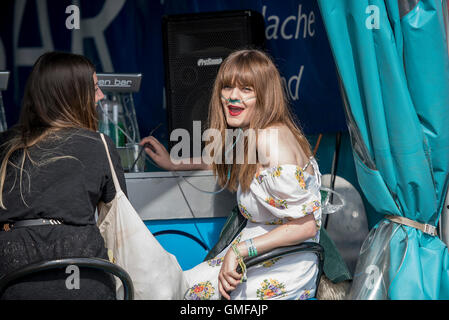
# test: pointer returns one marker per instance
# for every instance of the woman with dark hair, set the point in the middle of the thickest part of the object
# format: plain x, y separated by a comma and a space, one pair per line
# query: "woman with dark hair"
53, 173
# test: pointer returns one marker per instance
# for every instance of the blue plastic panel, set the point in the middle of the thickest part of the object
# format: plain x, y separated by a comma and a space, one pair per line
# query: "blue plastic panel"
188, 239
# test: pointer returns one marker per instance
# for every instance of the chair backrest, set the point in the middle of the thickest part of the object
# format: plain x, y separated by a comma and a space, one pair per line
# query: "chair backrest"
93, 263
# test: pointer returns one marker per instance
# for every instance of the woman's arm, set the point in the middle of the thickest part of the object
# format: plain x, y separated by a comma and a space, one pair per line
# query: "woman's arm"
161, 157
293, 232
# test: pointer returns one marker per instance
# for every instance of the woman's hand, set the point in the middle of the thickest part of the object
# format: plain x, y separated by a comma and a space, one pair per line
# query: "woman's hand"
228, 278
161, 157
157, 152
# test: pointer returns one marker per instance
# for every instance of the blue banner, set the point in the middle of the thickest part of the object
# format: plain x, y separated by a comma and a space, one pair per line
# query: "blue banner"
125, 36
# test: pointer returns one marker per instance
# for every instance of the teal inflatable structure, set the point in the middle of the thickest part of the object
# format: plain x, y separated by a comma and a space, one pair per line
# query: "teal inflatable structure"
392, 59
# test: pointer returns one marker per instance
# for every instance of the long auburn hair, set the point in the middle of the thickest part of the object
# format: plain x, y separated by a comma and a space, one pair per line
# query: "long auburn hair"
256, 69
59, 93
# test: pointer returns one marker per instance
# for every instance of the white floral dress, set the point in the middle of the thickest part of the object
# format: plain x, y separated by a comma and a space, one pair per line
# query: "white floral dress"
275, 196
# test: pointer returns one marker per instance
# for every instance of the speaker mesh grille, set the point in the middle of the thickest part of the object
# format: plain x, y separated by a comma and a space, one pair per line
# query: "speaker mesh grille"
188, 40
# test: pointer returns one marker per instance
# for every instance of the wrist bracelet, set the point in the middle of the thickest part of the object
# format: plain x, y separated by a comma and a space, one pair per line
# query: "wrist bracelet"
240, 261
252, 250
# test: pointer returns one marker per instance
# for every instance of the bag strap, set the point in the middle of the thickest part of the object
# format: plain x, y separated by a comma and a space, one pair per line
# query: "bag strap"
114, 176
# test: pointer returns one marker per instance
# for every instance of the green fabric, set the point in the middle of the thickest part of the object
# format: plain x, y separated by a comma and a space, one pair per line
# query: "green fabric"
395, 85
232, 227
334, 266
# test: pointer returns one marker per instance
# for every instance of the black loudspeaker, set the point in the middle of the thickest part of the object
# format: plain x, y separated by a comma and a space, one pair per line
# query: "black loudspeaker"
194, 47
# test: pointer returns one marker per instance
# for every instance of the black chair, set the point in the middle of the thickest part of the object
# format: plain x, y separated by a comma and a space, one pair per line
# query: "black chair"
93, 263
283, 251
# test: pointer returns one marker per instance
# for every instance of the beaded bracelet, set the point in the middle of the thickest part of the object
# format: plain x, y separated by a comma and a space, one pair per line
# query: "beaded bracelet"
252, 250
240, 261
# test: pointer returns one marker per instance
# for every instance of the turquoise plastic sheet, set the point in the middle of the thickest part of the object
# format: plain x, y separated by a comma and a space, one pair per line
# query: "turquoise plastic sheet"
392, 59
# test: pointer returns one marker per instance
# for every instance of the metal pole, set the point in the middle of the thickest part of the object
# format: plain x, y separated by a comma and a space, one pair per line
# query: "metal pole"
334, 170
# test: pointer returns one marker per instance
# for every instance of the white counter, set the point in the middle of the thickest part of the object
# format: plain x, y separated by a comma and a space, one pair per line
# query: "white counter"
165, 195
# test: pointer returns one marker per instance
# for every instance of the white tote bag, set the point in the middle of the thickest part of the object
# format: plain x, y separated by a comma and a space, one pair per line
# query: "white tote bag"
155, 273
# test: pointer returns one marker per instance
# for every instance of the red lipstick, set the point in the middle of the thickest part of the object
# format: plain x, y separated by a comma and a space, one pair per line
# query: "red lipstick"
234, 110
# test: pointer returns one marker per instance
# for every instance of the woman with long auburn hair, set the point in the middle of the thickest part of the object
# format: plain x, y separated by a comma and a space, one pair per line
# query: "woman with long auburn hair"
279, 193
53, 173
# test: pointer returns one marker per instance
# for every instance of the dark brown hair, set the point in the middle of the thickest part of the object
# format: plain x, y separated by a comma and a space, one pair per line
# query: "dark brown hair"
59, 93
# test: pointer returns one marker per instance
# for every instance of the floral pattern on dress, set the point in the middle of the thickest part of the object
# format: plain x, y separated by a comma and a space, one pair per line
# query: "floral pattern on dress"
245, 212
277, 172
274, 222
259, 177
280, 204
201, 291
215, 262
311, 207
300, 177
305, 295
290, 277
270, 288
270, 263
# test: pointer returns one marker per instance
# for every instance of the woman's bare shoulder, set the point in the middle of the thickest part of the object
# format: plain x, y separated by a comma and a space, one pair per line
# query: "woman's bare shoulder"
277, 146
